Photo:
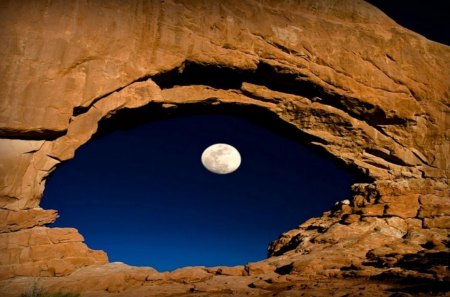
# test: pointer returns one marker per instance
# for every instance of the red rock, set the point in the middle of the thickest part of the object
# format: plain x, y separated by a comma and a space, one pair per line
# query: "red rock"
15, 220
437, 222
432, 205
230, 271
258, 268
375, 210
352, 218
403, 206
379, 105
189, 275
59, 235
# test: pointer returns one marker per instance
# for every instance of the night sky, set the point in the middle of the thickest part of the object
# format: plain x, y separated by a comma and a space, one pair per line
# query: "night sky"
428, 18
142, 195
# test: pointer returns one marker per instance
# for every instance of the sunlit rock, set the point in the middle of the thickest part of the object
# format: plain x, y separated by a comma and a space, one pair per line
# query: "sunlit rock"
369, 92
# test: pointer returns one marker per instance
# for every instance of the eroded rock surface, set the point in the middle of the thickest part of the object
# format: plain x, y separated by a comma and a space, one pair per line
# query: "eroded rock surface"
359, 86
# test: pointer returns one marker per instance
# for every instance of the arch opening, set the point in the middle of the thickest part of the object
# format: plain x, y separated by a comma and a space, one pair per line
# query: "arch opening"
138, 191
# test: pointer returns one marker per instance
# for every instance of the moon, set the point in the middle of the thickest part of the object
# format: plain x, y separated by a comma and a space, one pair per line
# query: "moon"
221, 158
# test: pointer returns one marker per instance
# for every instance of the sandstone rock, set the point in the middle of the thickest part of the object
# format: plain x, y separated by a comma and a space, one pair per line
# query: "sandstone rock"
423, 237
59, 235
321, 223
372, 96
432, 205
398, 223
402, 206
413, 223
397, 249
375, 210
270, 285
112, 278
352, 218
438, 222
230, 271
61, 267
364, 194
41, 251
16, 220
189, 275
428, 265
287, 241
258, 268
342, 209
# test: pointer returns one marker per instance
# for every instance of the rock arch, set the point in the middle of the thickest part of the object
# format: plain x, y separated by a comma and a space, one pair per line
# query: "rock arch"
367, 91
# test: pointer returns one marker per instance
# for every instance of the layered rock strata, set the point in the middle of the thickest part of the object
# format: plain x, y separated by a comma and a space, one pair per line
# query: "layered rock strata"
357, 85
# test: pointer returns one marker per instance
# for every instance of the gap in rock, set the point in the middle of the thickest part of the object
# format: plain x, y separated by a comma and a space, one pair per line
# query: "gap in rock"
138, 190
274, 78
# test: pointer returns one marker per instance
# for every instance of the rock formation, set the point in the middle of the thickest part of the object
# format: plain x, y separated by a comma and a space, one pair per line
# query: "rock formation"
357, 85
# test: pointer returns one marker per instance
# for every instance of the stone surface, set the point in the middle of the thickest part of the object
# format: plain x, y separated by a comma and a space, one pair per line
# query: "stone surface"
42, 251
189, 275
258, 268
229, 271
118, 279
357, 85
16, 220
375, 210
438, 222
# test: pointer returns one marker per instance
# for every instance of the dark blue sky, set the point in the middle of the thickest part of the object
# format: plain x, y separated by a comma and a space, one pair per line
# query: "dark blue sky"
428, 18
142, 195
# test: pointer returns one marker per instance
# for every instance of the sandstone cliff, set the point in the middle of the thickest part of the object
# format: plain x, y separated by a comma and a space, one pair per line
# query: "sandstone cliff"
367, 91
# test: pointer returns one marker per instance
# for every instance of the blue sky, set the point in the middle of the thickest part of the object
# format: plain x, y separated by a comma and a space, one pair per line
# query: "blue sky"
144, 197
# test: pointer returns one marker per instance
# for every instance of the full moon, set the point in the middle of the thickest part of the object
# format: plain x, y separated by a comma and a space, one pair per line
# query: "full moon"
221, 158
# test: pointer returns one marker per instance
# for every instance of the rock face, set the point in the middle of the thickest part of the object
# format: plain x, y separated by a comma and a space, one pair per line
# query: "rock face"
357, 85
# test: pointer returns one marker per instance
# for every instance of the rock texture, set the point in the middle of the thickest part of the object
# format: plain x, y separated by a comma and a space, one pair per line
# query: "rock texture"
357, 85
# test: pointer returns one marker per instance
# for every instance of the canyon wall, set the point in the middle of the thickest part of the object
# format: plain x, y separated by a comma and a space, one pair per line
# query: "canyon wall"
359, 86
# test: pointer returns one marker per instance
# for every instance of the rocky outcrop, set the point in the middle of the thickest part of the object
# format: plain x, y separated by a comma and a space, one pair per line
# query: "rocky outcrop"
42, 251
24, 219
354, 83
368, 238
